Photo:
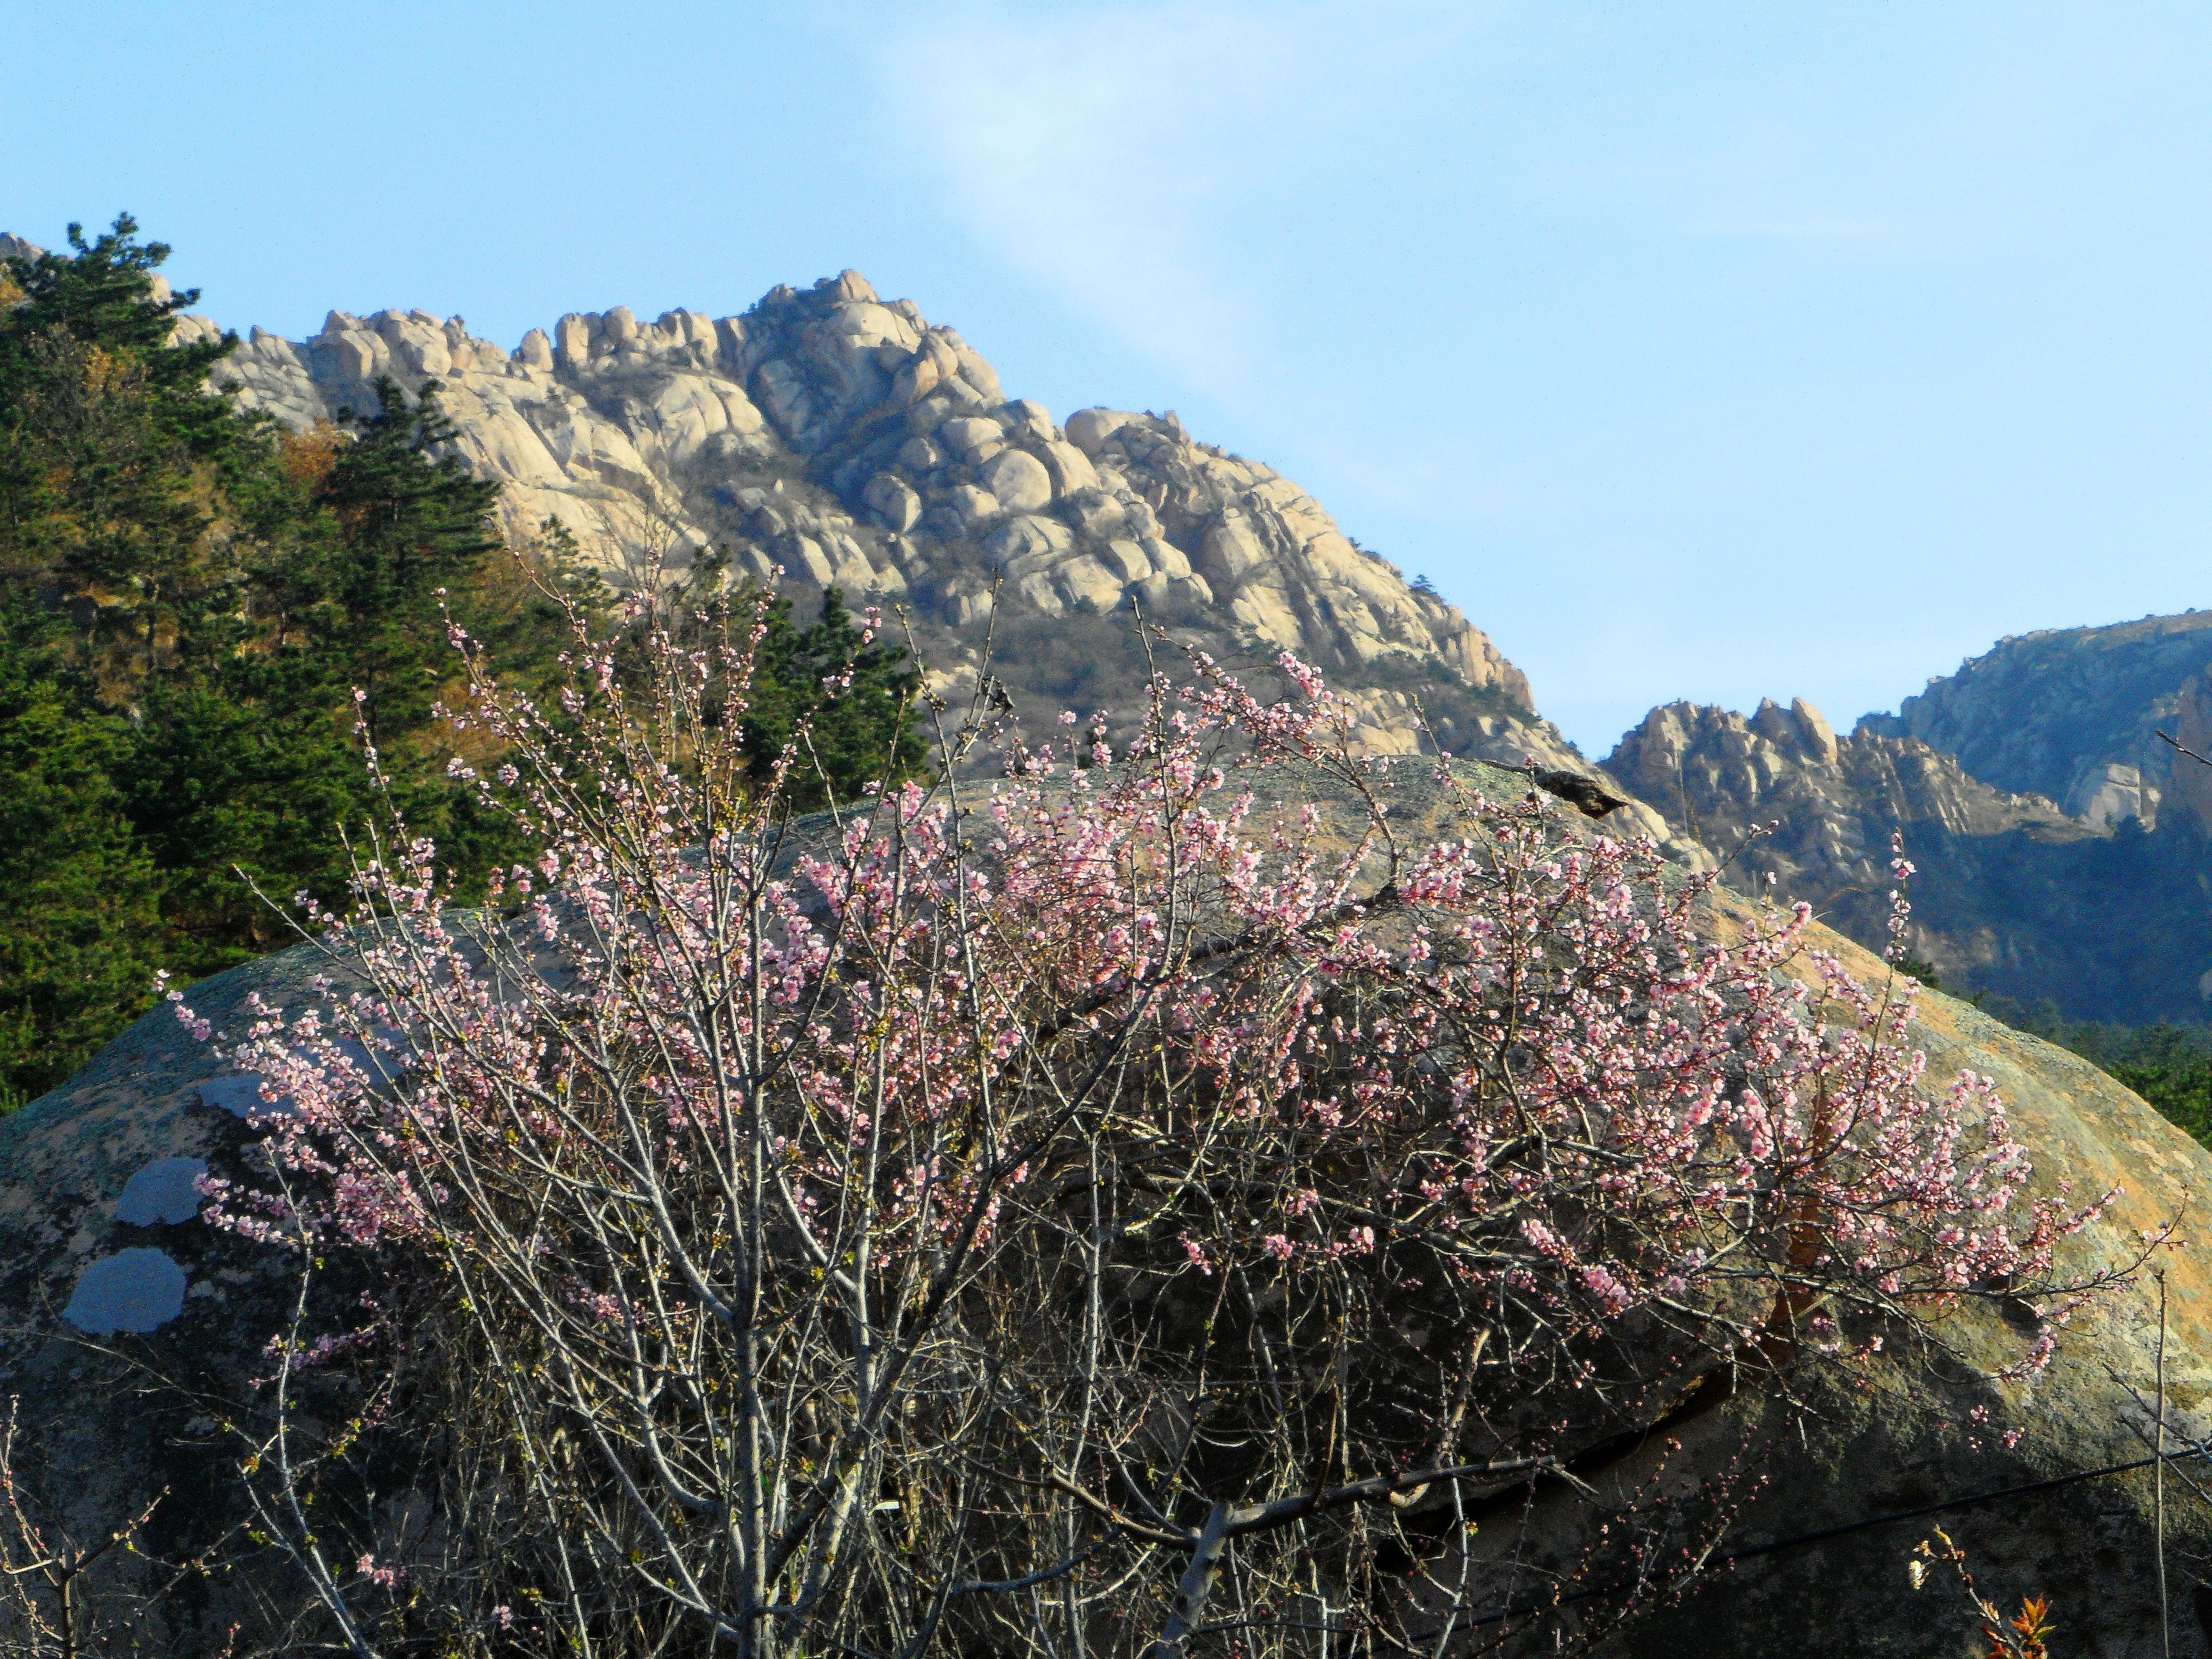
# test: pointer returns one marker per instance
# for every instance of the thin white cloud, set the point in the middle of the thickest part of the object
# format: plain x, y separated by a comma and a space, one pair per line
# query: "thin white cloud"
1108, 152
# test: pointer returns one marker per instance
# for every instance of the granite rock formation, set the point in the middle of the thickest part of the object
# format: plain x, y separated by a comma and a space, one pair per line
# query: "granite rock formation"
845, 440
2096, 913
1831, 802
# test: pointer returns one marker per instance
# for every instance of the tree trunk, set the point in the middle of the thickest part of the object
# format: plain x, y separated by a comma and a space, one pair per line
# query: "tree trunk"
1205, 1559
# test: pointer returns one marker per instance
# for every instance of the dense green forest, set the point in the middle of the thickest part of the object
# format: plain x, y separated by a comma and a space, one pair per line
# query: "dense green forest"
201, 615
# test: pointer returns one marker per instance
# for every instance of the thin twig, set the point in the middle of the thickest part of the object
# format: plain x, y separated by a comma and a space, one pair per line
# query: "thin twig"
2158, 1476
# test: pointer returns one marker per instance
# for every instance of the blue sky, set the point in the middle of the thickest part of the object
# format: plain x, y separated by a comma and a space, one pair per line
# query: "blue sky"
1710, 350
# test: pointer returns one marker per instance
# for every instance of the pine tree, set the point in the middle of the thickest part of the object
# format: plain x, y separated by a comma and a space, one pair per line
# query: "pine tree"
864, 733
408, 528
79, 929
109, 449
190, 598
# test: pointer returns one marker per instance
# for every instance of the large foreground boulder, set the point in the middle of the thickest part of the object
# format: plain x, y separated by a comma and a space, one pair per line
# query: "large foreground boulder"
131, 1330
1923, 1430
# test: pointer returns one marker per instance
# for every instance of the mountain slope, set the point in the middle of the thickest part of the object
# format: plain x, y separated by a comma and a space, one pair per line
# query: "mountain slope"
2098, 916
847, 440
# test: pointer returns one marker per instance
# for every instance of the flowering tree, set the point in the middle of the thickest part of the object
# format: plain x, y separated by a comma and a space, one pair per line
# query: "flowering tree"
995, 1216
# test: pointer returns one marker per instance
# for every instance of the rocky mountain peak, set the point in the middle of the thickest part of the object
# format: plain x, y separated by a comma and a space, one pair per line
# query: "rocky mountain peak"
1743, 757
2104, 911
1793, 801
845, 440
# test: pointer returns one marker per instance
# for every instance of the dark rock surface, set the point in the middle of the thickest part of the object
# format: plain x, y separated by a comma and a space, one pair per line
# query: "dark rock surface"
127, 1326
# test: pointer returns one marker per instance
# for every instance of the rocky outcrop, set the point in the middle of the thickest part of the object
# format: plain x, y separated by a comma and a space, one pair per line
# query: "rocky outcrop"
2099, 915
2068, 713
2061, 844
1818, 810
844, 439
1920, 1430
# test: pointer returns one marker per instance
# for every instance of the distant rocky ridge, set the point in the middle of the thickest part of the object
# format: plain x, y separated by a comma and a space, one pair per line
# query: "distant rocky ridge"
845, 440
2106, 914
1835, 800
2069, 713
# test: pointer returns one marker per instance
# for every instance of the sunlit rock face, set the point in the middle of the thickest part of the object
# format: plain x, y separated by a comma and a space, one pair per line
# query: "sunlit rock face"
1917, 1428
842, 440
1831, 802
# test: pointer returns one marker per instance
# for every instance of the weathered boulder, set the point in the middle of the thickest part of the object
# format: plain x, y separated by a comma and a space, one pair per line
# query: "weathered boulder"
1088, 429
1165, 556
894, 501
1028, 542
1018, 480
970, 508
1028, 420
110, 1282
1087, 583
1920, 1430
635, 437
1231, 548
1095, 513
971, 436
1069, 467
1127, 559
